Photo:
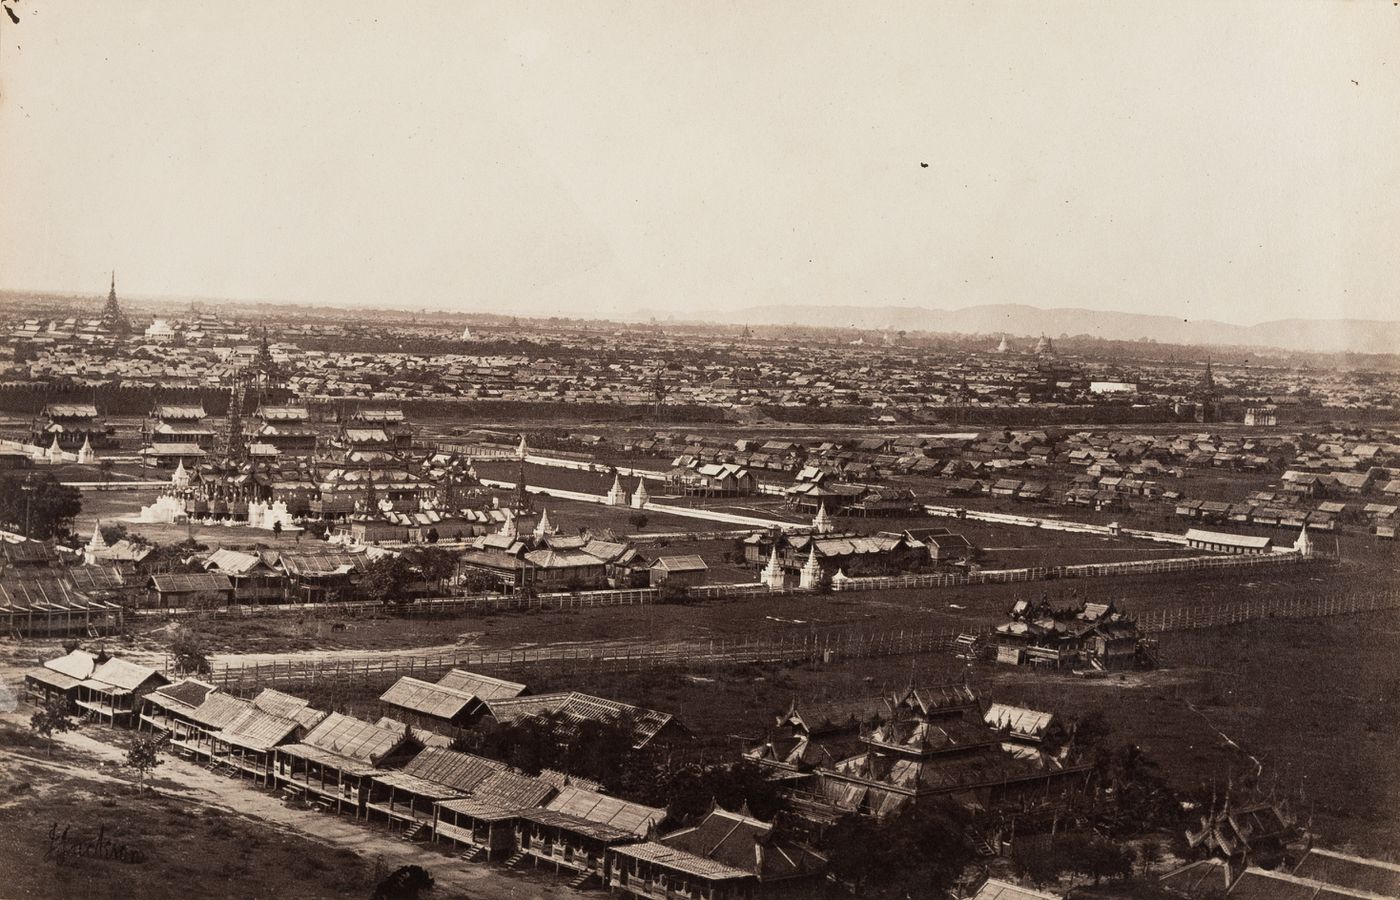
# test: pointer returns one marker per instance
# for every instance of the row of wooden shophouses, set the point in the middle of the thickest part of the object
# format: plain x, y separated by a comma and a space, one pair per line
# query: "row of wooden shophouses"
388, 773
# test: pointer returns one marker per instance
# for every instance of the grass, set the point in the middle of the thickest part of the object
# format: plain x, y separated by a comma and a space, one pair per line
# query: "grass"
186, 851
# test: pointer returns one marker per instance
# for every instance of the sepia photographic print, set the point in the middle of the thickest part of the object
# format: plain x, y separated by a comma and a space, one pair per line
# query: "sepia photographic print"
699, 450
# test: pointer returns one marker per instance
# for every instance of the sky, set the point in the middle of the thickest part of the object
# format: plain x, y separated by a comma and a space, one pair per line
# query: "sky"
1207, 158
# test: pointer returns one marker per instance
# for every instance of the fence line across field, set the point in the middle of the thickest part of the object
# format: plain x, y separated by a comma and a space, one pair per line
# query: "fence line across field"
639, 596
810, 647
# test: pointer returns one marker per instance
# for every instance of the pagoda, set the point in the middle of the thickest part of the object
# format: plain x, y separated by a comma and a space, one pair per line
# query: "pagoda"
114, 321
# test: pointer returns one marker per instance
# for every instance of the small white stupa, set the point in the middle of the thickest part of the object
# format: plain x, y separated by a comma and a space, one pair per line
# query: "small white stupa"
1304, 545
617, 495
543, 528
180, 479
55, 452
95, 545
822, 523
811, 575
467, 333
86, 455
773, 572
1003, 346
641, 498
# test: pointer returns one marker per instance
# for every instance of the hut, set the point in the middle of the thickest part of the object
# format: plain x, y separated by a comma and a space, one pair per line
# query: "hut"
725, 855
195, 589
687, 571
60, 677
247, 743
407, 796
114, 692
331, 765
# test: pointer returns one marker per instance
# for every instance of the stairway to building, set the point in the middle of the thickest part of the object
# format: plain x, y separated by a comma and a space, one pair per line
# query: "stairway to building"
582, 879
516, 858
414, 831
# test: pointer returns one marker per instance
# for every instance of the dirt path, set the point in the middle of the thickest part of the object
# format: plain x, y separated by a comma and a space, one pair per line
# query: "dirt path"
178, 778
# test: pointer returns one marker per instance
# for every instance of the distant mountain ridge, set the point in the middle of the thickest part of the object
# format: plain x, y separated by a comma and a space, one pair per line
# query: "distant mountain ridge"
1019, 320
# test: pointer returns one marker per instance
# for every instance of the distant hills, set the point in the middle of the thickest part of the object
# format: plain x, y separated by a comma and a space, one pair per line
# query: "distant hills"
1320, 335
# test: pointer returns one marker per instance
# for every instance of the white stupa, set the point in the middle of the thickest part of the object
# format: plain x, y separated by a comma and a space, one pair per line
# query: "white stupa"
773, 572
180, 479
811, 575
641, 498
1304, 545
617, 495
466, 333
543, 528
510, 528
1003, 346
86, 454
55, 452
822, 523
95, 545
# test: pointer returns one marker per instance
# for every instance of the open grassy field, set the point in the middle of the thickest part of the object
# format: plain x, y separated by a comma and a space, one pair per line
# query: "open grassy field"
761, 617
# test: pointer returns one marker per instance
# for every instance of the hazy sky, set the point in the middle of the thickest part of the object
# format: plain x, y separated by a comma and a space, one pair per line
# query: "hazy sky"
1216, 159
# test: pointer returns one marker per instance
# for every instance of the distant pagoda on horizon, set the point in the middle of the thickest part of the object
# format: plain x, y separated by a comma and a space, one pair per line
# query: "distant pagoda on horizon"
114, 321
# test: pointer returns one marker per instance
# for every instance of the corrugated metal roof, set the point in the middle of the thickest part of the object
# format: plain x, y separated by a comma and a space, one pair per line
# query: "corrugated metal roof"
483, 687
512, 790
681, 861
596, 807
427, 698
354, 738
126, 675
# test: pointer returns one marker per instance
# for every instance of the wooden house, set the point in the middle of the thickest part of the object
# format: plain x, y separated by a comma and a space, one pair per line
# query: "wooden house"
568, 842
486, 830
484, 687
116, 689
687, 571
1223, 542
247, 743
332, 764
167, 709
725, 855
252, 578
190, 590
60, 677
406, 796
433, 706
215, 713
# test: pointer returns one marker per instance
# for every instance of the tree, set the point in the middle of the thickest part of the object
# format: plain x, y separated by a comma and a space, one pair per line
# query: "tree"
104, 467
277, 528
52, 718
39, 502
433, 536
406, 883
144, 755
113, 532
920, 852
385, 578
189, 652
435, 564
637, 520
